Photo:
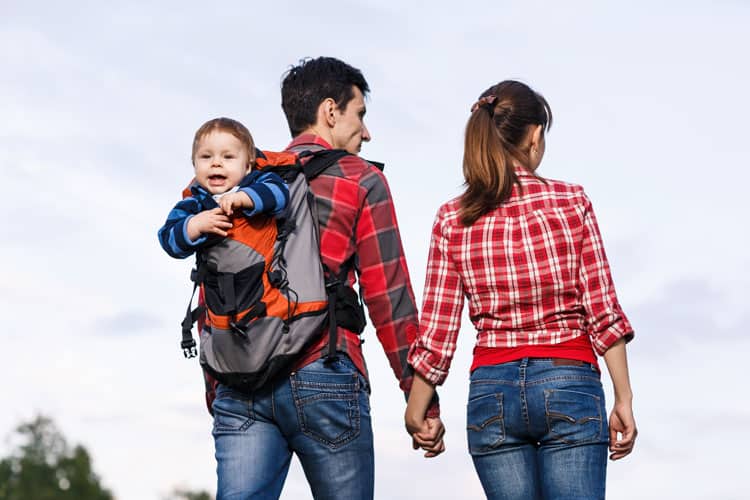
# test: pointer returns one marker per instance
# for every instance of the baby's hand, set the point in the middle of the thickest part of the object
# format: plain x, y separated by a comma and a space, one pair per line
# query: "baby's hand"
208, 222
232, 201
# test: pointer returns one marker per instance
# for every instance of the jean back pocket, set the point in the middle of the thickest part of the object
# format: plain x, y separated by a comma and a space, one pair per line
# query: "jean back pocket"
572, 416
233, 412
485, 425
328, 405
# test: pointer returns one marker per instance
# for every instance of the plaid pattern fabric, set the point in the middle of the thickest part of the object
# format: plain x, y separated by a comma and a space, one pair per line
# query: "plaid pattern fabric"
357, 217
534, 272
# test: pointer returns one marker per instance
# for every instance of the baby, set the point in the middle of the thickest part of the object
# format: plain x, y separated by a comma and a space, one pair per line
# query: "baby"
223, 157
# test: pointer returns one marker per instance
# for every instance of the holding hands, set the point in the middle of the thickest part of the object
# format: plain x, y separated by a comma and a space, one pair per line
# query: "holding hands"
426, 432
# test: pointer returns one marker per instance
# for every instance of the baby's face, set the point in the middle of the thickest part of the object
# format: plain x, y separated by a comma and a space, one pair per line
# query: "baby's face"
221, 161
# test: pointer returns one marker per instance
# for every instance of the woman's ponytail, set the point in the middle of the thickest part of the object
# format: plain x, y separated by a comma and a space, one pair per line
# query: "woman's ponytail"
496, 129
488, 175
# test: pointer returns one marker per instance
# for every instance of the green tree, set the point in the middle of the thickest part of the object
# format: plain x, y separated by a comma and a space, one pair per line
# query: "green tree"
43, 467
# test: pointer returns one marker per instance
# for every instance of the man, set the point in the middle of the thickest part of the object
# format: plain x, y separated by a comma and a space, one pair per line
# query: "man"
321, 410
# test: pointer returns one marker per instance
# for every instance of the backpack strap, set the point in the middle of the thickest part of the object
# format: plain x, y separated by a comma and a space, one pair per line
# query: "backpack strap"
344, 304
189, 349
320, 161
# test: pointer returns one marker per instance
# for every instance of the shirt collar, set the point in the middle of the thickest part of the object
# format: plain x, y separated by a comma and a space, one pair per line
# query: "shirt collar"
308, 140
521, 171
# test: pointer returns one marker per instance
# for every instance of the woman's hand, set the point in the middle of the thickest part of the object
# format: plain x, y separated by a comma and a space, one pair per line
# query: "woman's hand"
621, 419
426, 433
622, 422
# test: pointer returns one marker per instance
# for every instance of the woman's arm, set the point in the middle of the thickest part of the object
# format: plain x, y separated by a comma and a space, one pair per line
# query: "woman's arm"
621, 420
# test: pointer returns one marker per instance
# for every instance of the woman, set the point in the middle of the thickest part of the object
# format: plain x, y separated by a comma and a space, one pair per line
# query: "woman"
527, 254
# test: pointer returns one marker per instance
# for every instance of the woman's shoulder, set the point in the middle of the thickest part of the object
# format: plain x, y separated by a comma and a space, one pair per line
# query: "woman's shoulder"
448, 214
558, 189
449, 210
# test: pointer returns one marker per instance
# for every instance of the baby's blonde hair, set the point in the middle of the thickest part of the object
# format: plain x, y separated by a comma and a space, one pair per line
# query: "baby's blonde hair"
226, 125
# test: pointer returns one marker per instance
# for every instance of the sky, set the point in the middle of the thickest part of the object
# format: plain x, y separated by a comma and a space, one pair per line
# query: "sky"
98, 107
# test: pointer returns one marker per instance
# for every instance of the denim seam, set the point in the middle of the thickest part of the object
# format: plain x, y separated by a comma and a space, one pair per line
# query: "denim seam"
326, 385
563, 377
524, 405
485, 381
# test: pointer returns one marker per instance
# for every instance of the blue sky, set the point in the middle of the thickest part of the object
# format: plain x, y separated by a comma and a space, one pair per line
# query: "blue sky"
98, 105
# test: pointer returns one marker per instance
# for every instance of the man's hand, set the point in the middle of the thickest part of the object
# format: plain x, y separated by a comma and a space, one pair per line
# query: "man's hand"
232, 201
426, 433
431, 438
621, 421
208, 222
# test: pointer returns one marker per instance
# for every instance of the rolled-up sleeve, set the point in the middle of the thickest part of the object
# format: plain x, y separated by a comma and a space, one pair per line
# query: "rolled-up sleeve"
605, 319
433, 349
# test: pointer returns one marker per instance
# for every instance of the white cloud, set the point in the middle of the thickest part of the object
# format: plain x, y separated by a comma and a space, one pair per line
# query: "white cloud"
98, 116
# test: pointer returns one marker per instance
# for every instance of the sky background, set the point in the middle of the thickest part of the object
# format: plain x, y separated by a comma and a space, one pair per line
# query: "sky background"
98, 106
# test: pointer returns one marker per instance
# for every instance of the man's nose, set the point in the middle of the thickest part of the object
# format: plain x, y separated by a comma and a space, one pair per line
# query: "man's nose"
365, 133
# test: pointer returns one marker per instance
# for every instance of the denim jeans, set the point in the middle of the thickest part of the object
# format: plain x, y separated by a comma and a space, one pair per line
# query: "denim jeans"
321, 413
538, 430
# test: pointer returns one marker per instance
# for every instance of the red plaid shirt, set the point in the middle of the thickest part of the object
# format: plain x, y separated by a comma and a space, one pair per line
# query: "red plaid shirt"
357, 217
534, 272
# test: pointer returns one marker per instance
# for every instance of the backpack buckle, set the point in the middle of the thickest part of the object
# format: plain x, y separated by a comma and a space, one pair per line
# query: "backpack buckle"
238, 330
189, 348
332, 285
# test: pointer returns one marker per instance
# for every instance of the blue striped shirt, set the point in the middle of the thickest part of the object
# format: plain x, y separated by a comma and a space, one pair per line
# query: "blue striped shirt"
268, 191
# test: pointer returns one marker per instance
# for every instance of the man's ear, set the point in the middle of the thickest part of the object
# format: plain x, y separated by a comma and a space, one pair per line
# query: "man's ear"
326, 113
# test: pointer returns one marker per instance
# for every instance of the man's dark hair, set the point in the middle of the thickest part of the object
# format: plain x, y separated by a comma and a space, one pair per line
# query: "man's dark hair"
310, 82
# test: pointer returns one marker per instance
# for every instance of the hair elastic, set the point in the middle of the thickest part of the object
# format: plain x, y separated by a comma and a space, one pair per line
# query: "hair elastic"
487, 101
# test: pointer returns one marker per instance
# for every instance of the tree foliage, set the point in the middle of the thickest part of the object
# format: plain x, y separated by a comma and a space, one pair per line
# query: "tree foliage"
44, 467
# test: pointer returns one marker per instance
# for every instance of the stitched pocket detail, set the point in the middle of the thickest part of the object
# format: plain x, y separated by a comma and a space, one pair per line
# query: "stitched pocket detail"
485, 425
233, 414
328, 406
573, 417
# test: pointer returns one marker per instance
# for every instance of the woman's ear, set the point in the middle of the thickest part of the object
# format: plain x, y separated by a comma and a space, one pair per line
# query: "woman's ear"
537, 134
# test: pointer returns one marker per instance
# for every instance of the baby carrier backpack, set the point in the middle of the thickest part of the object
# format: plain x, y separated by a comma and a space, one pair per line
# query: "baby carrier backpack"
267, 296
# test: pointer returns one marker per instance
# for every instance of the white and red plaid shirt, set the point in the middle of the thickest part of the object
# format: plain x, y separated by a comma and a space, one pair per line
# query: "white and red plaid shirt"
533, 270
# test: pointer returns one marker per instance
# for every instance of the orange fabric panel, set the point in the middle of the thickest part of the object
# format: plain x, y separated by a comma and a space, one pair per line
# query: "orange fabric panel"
275, 159
258, 232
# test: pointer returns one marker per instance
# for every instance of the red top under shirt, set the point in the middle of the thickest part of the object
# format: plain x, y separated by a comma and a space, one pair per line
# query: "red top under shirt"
579, 349
535, 275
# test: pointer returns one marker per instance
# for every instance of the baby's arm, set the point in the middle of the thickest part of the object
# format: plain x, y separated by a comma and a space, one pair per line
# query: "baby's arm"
187, 226
260, 192
212, 221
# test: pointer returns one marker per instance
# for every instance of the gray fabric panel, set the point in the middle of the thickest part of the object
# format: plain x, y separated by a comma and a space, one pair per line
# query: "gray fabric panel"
227, 352
302, 251
231, 256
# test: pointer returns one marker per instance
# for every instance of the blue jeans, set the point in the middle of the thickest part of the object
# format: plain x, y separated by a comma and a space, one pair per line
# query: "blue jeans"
538, 430
321, 413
